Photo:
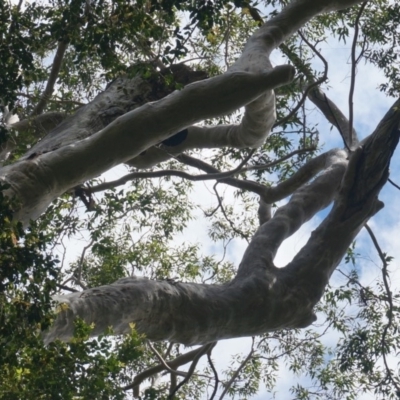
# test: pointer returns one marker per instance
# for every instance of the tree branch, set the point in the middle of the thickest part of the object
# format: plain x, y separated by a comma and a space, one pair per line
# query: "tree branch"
366, 174
174, 364
389, 314
40, 124
164, 363
215, 374
55, 70
205, 349
237, 372
162, 173
310, 86
353, 71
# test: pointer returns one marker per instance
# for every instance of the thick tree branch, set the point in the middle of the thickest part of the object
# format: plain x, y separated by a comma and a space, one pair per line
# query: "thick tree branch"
365, 176
303, 205
262, 297
43, 177
207, 311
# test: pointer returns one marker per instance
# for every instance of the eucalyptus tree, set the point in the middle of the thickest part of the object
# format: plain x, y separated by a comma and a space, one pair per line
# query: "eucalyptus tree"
155, 88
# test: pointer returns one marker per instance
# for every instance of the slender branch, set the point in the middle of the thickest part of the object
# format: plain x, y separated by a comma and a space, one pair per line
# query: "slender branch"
55, 70
237, 372
66, 288
283, 189
181, 174
78, 272
396, 186
215, 175
221, 206
177, 362
210, 361
353, 70
329, 109
206, 348
310, 86
389, 314
56, 99
276, 162
163, 362
334, 115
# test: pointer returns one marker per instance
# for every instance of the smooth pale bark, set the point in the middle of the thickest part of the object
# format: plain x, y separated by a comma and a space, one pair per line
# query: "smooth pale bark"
55, 166
261, 298
253, 303
40, 177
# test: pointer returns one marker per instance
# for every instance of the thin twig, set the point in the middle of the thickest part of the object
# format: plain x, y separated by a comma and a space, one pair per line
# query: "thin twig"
66, 288
56, 99
353, 72
385, 275
79, 270
276, 162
